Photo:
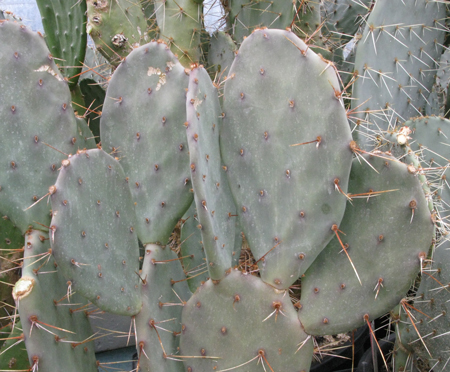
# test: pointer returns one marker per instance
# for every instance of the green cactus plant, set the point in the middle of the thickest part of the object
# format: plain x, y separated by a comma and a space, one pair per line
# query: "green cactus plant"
269, 149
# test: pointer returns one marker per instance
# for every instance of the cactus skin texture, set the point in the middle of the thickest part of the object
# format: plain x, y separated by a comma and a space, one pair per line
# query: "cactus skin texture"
265, 112
99, 259
51, 314
233, 337
396, 64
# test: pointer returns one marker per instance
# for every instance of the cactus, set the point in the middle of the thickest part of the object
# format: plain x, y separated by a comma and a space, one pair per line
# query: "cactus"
265, 160
65, 31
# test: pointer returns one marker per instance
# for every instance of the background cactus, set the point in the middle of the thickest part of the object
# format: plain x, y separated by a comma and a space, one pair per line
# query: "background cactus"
264, 158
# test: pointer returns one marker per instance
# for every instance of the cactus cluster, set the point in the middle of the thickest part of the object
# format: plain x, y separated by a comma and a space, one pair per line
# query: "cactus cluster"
226, 171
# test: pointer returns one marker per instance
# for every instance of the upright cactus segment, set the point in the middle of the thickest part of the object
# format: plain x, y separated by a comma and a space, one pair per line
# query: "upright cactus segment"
180, 24
215, 206
147, 93
396, 61
116, 26
36, 112
342, 274
158, 325
64, 24
93, 232
288, 197
249, 324
55, 323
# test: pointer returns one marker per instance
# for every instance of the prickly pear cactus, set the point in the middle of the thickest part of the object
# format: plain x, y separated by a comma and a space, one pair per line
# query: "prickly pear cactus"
147, 92
38, 124
249, 324
286, 152
99, 260
342, 274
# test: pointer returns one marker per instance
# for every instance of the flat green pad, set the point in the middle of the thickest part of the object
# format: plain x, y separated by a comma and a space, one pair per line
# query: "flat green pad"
35, 106
143, 124
158, 324
286, 195
397, 230
229, 323
215, 205
93, 232
54, 318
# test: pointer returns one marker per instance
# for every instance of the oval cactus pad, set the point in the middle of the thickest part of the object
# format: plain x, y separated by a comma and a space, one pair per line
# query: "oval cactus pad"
287, 196
93, 232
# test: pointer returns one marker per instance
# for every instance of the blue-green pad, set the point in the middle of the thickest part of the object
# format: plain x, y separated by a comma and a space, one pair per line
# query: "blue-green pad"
396, 60
35, 106
239, 320
142, 124
93, 232
54, 318
192, 251
386, 235
287, 196
158, 324
215, 206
